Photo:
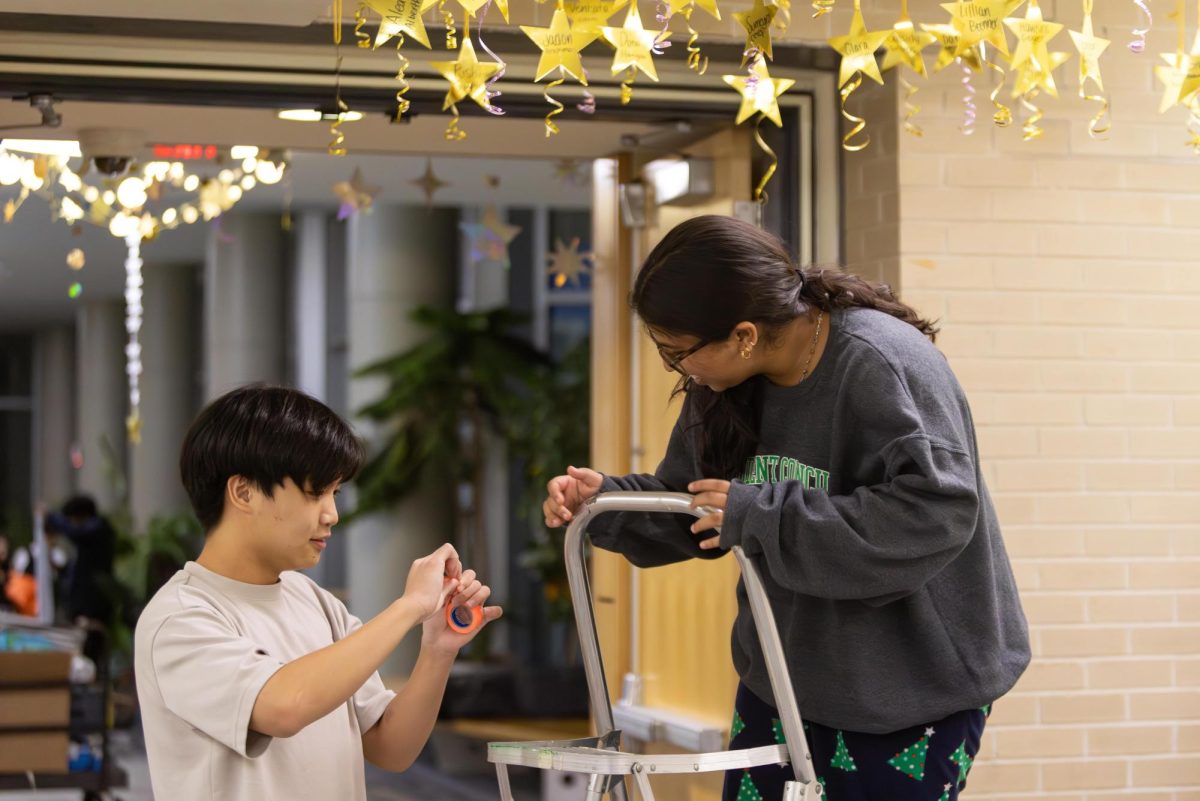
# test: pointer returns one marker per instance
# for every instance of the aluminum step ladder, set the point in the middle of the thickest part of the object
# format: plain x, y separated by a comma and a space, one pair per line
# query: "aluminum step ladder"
601, 756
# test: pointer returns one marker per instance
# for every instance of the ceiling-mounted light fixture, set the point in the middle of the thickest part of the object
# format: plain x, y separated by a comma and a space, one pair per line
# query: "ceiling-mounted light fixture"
67, 148
317, 115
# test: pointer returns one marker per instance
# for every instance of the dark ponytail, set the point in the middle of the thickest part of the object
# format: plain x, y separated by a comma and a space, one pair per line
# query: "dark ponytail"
710, 273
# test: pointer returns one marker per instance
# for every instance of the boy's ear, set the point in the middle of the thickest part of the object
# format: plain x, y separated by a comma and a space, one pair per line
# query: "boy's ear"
239, 494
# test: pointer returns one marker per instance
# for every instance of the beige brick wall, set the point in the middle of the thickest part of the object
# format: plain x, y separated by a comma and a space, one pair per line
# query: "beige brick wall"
1067, 277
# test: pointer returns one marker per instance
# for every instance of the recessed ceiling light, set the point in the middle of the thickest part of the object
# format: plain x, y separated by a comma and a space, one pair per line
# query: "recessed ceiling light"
47, 147
316, 115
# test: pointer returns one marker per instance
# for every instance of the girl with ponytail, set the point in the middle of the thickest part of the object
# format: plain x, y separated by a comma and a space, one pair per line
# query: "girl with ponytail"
838, 450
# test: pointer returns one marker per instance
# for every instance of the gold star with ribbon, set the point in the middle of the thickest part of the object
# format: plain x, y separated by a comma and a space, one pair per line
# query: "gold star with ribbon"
757, 22
760, 92
980, 21
904, 45
560, 45
1033, 40
948, 39
568, 264
589, 16
1030, 79
1090, 48
678, 7
429, 183
858, 50
467, 76
401, 18
1188, 67
633, 43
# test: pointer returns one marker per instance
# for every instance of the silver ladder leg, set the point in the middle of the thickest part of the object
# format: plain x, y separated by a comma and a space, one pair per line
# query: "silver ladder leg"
502, 780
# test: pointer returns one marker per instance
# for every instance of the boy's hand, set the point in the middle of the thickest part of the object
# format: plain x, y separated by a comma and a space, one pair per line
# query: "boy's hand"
432, 579
565, 494
437, 636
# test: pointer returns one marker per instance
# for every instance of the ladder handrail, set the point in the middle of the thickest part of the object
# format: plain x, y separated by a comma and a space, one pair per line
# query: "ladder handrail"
574, 546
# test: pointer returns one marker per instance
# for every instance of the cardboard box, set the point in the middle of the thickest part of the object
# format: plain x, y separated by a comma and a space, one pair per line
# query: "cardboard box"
40, 752
35, 708
34, 667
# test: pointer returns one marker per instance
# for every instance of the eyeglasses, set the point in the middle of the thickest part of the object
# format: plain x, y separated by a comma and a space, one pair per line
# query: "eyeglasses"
674, 359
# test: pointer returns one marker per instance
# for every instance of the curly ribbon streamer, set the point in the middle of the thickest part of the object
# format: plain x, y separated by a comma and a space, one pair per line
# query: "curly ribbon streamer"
760, 191
453, 132
451, 31
360, 20
551, 127
1030, 130
627, 86
695, 61
588, 106
337, 146
489, 89
783, 18
337, 22
968, 124
1098, 125
1138, 44
822, 7
402, 104
1002, 116
911, 109
662, 14
859, 123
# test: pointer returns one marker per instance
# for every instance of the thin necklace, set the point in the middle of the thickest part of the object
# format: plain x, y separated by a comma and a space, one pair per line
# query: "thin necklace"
813, 347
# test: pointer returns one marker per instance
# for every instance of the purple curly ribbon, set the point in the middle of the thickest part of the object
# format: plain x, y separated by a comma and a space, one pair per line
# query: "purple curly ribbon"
1138, 45
662, 14
488, 90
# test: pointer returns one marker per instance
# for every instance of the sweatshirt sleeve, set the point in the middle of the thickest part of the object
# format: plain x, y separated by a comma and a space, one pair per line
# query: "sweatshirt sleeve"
886, 539
653, 539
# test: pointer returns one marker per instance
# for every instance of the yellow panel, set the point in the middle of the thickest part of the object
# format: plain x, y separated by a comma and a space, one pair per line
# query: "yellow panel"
686, 611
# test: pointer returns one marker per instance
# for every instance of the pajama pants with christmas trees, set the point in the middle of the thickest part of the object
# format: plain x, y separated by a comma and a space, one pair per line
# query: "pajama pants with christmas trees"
929, 762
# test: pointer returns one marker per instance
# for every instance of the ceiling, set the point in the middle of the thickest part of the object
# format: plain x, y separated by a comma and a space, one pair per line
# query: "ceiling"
215, 72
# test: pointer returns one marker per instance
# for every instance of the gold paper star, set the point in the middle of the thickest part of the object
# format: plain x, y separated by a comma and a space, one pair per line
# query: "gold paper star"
356, 194
633, 43
757, 22
760, 93
680, 6
1172, 79
589, 16
904, 46
858, 50
1090, 48
1188, 67
471, 6
467, 76
560, 46
979, 21
429, 183
1033, 38
567, 264
948, 38
401, 18
1029, 79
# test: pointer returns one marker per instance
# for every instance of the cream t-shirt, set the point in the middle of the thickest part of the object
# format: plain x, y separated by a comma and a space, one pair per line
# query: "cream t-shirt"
205, 646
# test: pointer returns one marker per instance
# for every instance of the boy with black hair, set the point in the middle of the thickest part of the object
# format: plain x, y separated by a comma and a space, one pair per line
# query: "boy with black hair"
254, 682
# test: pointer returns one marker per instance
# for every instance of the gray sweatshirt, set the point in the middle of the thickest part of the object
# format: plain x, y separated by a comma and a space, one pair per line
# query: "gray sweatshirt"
866, 512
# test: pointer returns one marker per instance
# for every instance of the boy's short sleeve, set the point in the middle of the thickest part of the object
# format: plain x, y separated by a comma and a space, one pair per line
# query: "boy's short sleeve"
210, 676
372, 699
